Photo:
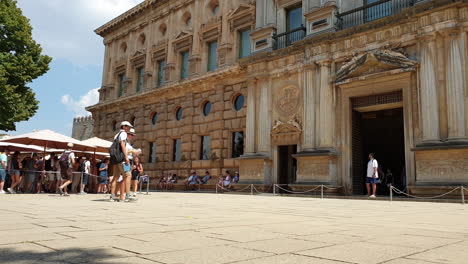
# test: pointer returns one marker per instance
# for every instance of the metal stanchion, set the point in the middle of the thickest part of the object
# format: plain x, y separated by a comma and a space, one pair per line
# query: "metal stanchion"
81, 183
147, 185
462, 194
391, 192
217, 188
141, 183
251, 189
274, 189
321, 191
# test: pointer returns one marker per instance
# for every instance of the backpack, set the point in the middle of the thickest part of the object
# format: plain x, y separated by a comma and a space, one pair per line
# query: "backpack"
83, 166
115, 151
64, 161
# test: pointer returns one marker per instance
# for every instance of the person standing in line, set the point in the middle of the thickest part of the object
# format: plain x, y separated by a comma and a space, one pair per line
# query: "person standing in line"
29, 174
15, 172
124, 167
40, 173
3, 169
50, 172
103, 175
58, 177
132, 153
66, 163
372, 176
86, 170
137, 170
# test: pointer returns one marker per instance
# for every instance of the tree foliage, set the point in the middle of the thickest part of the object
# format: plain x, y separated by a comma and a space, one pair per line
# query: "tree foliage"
20, 63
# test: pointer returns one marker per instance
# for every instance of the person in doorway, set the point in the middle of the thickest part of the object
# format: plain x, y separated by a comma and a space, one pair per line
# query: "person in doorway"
103, 175
372, 176
123, 168
3, 169
137, 170
15, 172
66, 163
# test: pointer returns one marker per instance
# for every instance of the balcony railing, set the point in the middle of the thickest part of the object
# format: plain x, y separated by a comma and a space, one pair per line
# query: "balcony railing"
286, 39
371, 12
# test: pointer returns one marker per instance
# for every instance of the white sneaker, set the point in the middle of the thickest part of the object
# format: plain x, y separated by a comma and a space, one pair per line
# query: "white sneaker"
10, 190
372, 196
2, 192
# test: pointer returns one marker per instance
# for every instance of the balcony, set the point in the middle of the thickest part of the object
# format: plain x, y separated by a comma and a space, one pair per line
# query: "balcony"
286, 39
370, 12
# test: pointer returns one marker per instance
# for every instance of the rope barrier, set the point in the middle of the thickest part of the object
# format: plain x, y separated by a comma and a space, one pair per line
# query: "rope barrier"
392, 188
268, 191
281, 188
249, 186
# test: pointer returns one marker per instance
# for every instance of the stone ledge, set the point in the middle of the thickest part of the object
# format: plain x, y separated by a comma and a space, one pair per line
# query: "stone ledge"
440, 146
317, 153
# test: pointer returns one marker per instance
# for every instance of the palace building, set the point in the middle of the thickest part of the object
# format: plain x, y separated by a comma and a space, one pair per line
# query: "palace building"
294, 92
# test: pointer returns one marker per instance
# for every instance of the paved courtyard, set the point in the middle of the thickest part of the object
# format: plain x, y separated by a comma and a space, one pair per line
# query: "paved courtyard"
222, 228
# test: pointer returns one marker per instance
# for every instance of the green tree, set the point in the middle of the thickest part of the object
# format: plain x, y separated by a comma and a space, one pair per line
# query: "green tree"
20, 63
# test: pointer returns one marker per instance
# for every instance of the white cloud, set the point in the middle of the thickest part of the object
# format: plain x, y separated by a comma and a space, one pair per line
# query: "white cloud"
78, 106
65, 29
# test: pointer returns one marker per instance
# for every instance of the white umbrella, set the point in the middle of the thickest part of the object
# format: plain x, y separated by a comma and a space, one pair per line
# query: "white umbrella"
49, 139
18, 147
101, 144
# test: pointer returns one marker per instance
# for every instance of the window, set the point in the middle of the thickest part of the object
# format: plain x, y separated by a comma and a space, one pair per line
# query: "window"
377, 11
216, 10
206, 108
188, 21
132, 121
152, 152
121, 84
237, 144
179, 113
114, 125
205, 148
154, 118
244, 43
184, 65
212, 55
177, 154
239, 102
294, 21
140, 76
293, 18
161, 65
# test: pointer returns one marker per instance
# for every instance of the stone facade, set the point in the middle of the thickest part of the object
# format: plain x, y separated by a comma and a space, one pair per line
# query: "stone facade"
301, 95
83, 127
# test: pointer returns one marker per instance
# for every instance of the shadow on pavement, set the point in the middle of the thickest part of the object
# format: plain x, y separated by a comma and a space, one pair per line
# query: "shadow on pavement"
37, 254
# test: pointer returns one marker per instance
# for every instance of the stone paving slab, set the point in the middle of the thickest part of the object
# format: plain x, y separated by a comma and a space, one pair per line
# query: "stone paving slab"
203, 228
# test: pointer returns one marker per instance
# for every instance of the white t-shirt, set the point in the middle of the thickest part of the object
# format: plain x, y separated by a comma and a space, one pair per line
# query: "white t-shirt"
123, 135
87, 166
370, 168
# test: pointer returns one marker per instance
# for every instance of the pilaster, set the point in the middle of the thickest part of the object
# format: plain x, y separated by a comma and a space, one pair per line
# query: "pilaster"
264, 128
250, 122
428, 92
308, 131
455, 86
326, 120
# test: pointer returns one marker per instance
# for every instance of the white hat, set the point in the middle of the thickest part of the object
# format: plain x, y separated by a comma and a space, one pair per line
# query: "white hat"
70, 145
132, 131
126, 123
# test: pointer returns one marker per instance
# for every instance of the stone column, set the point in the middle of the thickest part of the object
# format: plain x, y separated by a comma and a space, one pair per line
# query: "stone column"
250, 122
455, 86
308, 129
326, 109
264, 128
428, 92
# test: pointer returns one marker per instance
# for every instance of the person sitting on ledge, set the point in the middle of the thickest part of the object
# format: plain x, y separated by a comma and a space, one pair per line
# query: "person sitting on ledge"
162, 184
236, 177
227, 180
194, 181
171, 182
206, 178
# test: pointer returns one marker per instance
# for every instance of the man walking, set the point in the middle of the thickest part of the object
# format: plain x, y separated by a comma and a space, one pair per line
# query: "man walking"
372, 176
66, 163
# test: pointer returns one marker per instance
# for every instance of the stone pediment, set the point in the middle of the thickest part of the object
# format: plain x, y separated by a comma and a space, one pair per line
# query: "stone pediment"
374, 62
241, 10
138, 57
241, 17
183, 40
183, 34
288, 133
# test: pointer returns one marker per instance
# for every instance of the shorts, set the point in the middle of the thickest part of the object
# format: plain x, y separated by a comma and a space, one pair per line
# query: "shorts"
85, 178
118, 170
102, 179
2, 175
371, 180
16, 172
30, 176
66, 174
135, 176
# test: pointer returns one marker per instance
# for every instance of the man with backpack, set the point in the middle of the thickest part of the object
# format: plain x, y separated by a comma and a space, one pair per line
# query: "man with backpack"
85, 168
120, 160
66, 163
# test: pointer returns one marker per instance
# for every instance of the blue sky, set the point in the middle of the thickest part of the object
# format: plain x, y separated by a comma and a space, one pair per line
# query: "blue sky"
65, 30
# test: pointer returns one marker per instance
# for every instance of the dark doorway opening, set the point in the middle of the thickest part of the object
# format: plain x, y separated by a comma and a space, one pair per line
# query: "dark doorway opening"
287, 165
382, 133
